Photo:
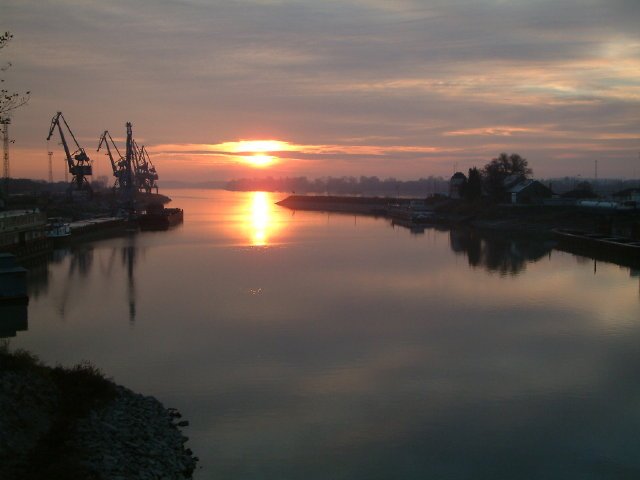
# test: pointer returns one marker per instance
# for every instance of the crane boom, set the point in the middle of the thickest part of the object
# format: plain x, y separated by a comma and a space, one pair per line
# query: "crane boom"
105, 141
55, 122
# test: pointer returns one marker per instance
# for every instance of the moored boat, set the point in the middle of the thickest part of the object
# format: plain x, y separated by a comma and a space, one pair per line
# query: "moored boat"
58, 230
415, 212
157, 217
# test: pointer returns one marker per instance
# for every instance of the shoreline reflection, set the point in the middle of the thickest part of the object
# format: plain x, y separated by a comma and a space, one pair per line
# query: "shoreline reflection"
498, 253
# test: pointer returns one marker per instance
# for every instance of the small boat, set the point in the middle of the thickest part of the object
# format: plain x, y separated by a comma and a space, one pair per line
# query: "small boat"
415, 212
58, 230
157, 217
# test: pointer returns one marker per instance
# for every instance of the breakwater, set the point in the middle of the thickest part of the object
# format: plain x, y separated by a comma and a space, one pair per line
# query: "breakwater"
328, 203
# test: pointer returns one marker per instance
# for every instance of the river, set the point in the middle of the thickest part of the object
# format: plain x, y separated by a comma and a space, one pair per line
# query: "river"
306, 345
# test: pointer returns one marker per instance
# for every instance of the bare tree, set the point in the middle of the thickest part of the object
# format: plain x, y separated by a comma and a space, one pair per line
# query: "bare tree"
9, 101
499, 169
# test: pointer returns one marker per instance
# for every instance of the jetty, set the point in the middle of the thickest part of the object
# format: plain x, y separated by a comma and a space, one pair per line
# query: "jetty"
327, 203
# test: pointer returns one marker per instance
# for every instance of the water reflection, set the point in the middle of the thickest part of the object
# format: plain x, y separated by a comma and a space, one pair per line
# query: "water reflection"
354, 350
258, 218
498, 253
75, 267
129, 256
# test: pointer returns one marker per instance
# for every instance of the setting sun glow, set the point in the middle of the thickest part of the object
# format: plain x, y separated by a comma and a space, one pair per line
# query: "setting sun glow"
259, 160
260, 146
258, 153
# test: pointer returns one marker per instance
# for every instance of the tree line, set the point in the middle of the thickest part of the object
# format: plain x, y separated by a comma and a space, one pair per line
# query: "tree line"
346, 185
488, 180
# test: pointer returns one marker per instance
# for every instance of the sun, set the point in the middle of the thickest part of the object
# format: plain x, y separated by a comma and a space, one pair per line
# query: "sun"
258, 153
260, 160
255, 153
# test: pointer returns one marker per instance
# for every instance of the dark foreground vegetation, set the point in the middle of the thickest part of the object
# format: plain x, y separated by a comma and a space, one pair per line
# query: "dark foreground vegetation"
53, 425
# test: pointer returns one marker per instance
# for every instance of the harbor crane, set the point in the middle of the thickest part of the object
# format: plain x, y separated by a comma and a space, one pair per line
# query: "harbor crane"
146, 175
143, 170
79, 163
121, 170
134, 172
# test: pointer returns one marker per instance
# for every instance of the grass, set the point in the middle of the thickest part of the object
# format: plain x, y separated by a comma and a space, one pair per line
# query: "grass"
18, 360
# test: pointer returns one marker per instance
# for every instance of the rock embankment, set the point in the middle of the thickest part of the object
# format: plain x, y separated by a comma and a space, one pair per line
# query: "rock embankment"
134, 437
58, 423
28, 402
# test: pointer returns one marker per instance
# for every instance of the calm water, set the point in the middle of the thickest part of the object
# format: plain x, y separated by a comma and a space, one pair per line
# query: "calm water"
315, 346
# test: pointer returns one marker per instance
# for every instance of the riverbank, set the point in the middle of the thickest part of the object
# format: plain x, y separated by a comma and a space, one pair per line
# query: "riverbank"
58, 423
540, 220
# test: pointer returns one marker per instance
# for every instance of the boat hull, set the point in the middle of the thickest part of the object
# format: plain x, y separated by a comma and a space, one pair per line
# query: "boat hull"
164, 220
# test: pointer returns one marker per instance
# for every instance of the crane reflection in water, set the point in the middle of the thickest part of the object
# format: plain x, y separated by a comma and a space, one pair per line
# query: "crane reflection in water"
84, 264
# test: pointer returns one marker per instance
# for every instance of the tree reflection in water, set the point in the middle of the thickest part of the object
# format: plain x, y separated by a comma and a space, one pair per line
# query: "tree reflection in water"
496, 252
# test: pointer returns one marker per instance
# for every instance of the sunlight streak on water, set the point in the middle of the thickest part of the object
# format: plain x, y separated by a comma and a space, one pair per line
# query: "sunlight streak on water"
261, 220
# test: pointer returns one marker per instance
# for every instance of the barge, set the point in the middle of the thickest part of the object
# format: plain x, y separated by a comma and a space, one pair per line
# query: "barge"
22, 233
619, 250
157, 217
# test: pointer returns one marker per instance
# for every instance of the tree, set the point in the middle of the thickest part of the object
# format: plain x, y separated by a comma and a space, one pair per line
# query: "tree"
473, 188
499, 169
9, 101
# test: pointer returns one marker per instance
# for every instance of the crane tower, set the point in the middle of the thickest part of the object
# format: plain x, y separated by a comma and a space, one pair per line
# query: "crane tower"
79, 163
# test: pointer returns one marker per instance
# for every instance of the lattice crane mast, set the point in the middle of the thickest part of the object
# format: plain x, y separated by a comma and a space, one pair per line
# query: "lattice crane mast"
120, 171
79, 163
146, 174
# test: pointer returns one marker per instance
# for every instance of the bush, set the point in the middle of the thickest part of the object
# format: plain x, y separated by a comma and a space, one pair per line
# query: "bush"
83, 387
18, 360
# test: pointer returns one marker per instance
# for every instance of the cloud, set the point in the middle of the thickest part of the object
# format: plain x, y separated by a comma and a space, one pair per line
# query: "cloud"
410, 73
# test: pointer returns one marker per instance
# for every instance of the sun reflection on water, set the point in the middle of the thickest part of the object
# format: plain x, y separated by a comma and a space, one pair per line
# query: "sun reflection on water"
261, 221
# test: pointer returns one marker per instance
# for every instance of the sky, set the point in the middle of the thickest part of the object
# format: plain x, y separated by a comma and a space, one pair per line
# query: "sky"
222, 89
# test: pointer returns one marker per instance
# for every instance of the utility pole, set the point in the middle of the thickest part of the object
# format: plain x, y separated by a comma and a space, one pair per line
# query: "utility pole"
5, 153
50, 153
5, 146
